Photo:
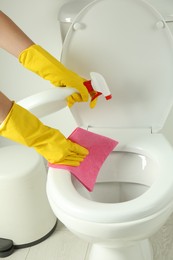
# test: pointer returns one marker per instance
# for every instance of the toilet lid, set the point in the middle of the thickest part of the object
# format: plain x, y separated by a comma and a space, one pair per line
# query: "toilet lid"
127, 42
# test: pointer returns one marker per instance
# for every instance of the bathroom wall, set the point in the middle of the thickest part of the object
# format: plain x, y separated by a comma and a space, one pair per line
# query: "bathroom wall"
165, 7
38, 19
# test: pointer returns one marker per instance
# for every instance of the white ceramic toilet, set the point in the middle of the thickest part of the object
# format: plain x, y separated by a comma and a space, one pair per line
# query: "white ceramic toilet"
128, 42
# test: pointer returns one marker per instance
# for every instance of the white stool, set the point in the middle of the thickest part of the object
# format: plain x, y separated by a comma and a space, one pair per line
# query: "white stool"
26, 217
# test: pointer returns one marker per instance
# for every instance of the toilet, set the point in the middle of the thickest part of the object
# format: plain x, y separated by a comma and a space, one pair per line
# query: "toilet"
128, 42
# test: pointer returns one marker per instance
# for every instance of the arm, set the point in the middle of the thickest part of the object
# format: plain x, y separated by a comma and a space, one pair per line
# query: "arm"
5, 106
35, 58
12, 38
14, 41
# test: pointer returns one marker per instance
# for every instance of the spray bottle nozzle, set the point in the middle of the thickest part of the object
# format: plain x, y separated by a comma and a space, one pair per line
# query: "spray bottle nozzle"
97, 86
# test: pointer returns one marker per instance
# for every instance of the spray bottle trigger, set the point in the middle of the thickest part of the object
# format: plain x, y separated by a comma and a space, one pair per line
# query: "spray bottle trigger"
93, 93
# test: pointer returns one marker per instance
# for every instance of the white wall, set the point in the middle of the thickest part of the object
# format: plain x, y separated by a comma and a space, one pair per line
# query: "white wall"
38, 19
165, 7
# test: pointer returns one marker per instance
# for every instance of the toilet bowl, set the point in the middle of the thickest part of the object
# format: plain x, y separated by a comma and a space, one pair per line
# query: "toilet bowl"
131, 200
128, 42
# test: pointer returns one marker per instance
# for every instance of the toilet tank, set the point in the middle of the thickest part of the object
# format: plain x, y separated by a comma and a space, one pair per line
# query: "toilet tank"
67, 14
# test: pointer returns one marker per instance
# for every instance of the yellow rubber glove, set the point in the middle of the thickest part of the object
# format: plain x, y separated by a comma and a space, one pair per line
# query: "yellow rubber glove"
38, 60
23, 127
77, 98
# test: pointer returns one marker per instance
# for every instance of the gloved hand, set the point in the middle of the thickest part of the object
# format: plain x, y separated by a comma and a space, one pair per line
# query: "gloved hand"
38, 60
23, 127
75, 97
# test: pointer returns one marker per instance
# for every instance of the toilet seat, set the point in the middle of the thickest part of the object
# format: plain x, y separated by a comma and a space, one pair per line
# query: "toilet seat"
62, 192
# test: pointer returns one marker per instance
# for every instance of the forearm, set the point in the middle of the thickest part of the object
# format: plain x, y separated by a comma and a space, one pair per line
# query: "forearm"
12, 38
5, 106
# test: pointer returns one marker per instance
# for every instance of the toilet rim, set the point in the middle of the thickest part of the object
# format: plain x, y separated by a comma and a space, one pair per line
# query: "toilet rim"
153, 200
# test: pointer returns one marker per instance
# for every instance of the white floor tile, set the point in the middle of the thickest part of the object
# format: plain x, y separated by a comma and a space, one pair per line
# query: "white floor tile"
18, 255
63, 245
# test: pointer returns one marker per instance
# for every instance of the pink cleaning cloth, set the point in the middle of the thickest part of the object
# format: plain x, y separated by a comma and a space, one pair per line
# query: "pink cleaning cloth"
99, 148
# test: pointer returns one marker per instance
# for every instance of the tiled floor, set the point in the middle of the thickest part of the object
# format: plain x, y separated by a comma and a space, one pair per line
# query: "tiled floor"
63, 245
